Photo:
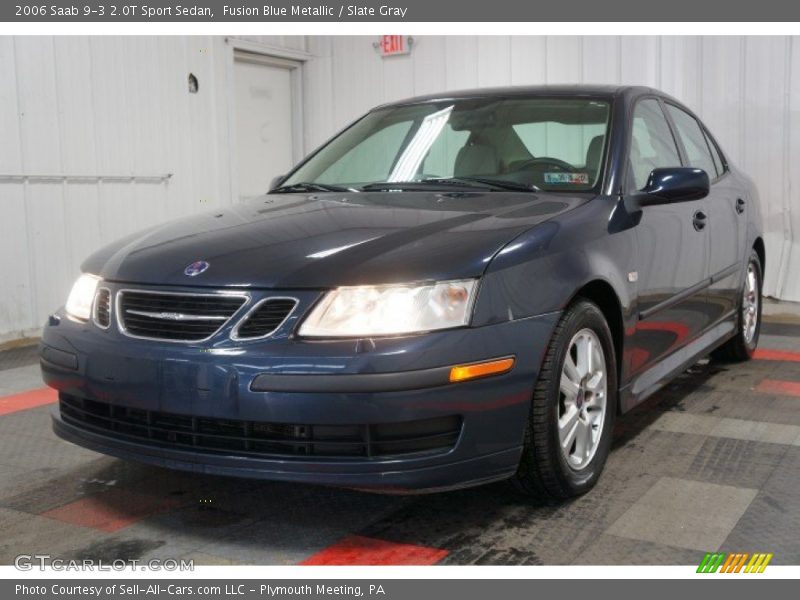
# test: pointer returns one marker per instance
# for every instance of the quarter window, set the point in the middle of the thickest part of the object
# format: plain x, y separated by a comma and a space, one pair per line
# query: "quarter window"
652, 144
694, 140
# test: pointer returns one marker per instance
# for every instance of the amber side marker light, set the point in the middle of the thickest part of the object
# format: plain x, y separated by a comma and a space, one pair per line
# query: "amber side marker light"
481, 369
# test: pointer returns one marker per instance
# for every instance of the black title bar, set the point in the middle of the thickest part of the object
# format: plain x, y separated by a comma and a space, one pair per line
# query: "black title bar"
400, 11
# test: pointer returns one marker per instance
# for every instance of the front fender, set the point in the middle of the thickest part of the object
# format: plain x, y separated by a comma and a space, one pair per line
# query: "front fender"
541, 270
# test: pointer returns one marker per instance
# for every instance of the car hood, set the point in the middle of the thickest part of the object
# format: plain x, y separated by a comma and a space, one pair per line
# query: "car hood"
294, 241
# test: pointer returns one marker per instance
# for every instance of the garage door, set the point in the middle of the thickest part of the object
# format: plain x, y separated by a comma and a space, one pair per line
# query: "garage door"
265, 121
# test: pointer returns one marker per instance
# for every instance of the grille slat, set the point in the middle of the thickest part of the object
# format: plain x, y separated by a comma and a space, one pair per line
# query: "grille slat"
265, 318
175, 317
102, 308
259, 439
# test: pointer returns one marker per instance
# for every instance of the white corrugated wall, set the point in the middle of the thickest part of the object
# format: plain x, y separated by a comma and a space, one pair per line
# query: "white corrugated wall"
119, 106
110, 106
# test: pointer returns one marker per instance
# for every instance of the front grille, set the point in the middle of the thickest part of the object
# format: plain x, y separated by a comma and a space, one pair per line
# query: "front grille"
102, 308
259, 439
175, 317
266, 318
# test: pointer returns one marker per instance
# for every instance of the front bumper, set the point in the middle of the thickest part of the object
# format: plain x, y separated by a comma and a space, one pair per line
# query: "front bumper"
216, 381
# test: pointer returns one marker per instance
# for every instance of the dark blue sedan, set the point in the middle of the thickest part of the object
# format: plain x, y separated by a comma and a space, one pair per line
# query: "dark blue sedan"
456, 289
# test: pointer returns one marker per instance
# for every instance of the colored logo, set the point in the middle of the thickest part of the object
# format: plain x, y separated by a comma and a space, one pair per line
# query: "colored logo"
735, 562
197, 267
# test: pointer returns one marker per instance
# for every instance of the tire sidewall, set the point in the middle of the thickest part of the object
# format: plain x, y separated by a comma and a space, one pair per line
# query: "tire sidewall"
585, 316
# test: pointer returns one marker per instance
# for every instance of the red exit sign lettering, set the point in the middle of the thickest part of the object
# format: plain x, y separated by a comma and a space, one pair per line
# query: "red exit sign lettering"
394, 45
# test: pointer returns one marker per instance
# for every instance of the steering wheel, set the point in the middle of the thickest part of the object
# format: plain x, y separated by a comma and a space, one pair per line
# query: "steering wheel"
545, 160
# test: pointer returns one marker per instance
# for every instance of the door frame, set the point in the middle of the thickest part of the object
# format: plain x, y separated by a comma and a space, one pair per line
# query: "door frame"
287, 58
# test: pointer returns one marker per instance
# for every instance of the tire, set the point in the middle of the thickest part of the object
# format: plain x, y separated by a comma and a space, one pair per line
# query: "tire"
742, 345
545, 471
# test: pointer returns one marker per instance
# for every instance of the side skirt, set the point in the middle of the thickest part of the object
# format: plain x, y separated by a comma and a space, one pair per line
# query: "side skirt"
660, 374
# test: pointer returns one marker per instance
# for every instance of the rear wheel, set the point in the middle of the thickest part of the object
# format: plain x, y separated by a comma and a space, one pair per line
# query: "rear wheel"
742, 346
568, 436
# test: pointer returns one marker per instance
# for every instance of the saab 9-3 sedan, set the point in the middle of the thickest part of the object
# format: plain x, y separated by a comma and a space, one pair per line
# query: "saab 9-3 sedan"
456, 289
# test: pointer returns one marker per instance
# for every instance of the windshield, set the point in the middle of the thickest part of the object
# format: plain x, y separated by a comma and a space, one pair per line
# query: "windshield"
553, 144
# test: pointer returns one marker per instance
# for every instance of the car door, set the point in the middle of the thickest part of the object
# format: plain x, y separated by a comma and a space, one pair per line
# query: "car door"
725, 211
673, 243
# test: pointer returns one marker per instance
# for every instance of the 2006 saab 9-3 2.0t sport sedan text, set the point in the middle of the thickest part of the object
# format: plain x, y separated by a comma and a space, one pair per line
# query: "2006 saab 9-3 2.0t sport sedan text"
454, 290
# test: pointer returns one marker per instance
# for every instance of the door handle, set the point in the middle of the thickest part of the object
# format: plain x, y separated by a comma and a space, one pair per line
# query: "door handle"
699, 220
739, 206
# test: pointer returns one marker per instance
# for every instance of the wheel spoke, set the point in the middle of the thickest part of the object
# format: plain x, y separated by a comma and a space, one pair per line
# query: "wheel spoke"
589, 356
569, 387
584, 345
596, 381
568, 427
567, 422
571, 369
583, 440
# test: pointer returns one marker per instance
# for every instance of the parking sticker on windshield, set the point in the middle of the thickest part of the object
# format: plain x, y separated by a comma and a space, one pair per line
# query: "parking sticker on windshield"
569, 178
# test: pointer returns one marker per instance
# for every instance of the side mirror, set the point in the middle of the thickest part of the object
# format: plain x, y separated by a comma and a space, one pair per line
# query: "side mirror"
276, 181
675, 184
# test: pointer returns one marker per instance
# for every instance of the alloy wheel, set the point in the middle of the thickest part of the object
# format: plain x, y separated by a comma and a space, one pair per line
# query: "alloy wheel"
582, 399
750, 302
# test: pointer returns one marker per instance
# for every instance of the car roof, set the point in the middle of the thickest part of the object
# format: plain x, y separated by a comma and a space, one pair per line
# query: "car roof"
532, 90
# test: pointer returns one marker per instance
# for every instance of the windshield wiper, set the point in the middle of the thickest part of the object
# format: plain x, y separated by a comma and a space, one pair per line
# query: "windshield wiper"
498, 183
412, 185
309, 186
472, 182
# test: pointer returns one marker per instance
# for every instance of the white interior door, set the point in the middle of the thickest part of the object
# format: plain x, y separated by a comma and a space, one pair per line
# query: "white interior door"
264, 122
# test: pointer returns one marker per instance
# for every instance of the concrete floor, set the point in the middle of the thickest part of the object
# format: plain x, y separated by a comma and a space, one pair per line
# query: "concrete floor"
710, 463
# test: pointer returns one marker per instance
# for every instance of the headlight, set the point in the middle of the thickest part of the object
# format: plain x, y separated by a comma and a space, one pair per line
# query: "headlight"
391, 309
79, 303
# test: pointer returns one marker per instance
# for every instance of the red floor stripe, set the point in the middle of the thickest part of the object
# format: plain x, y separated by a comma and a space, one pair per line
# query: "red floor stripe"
784, 355
358, 550
782, 388
26, 400
112, 510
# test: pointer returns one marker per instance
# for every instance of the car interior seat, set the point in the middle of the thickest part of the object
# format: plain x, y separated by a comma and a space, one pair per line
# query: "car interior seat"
476, 158
593, 154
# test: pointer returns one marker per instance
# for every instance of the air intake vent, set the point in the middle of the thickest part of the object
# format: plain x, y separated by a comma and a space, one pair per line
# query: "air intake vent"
265, 318
259, 439
175, 317
102, 308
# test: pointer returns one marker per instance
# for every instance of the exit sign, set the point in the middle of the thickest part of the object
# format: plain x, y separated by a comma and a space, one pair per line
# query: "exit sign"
394, 45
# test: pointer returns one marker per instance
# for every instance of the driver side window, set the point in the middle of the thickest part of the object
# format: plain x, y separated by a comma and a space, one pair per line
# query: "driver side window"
652, 144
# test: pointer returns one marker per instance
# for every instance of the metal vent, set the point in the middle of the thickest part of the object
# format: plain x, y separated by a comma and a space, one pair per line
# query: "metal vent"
175, 317
102, 308
265, 318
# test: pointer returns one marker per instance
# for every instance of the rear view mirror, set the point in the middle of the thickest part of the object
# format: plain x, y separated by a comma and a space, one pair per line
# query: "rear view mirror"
675, 184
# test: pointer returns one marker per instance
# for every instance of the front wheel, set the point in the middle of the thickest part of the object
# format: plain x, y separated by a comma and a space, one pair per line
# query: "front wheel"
742, 345
568, 436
